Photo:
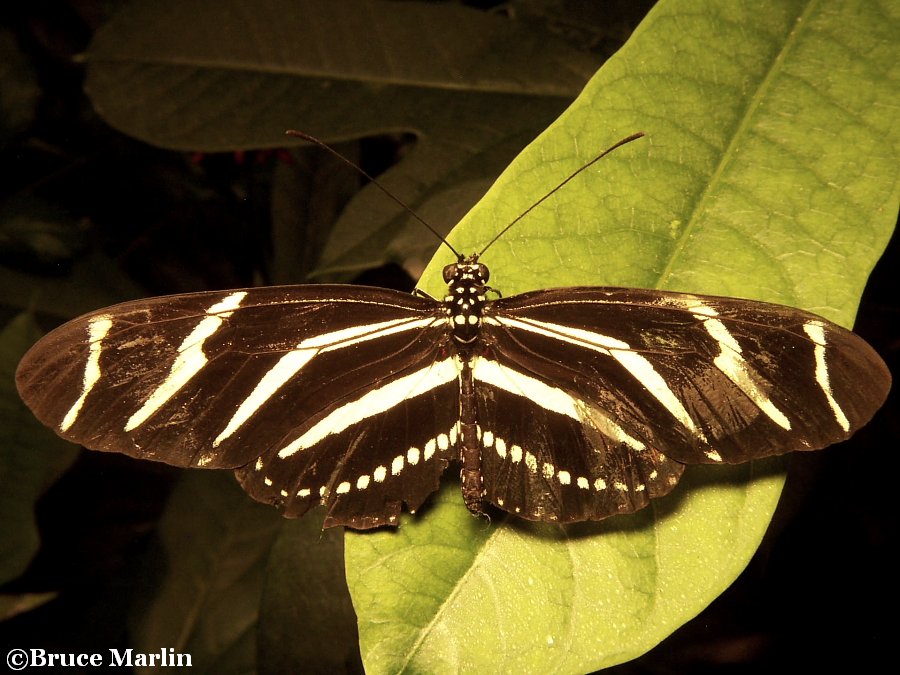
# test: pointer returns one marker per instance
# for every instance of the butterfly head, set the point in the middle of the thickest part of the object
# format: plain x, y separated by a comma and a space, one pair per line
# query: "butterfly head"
466, 271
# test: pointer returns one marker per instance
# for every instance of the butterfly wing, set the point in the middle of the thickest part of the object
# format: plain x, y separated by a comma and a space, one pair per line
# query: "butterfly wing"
589, 401
630, 384
284, 384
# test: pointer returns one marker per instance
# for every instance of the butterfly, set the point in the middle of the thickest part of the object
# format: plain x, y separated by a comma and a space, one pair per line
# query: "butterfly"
561, 405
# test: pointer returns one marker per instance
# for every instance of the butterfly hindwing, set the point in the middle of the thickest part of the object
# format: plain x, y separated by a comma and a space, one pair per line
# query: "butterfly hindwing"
541, 463
370, 450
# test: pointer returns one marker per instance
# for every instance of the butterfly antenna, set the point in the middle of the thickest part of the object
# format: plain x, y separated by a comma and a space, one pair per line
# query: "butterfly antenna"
408, 209
540, 201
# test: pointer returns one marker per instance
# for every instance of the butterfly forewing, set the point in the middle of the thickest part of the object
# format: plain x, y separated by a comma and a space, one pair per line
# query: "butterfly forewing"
700, 379
235, 378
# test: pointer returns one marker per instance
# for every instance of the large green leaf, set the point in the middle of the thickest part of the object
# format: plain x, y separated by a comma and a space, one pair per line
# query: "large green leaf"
769, 172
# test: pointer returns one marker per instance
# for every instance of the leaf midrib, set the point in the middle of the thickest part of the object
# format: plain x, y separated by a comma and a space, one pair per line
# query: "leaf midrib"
496, 88
448, 601
710, 189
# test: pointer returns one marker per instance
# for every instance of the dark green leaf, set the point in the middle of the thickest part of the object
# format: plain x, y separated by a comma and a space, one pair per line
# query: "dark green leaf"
216, 541
231, 75
31, 456
11, 605
19, 90
307, 623
94, 281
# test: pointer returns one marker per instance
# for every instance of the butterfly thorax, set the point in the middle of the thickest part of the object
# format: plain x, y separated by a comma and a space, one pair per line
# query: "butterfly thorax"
465, 299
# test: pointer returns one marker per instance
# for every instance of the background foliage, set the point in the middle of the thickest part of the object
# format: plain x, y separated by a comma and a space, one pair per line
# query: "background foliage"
174, 175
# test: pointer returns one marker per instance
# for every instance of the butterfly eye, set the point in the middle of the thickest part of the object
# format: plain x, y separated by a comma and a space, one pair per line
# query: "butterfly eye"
449, 273
483, 273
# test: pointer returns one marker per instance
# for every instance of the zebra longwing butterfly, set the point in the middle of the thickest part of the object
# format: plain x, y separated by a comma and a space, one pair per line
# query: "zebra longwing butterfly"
566, 404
